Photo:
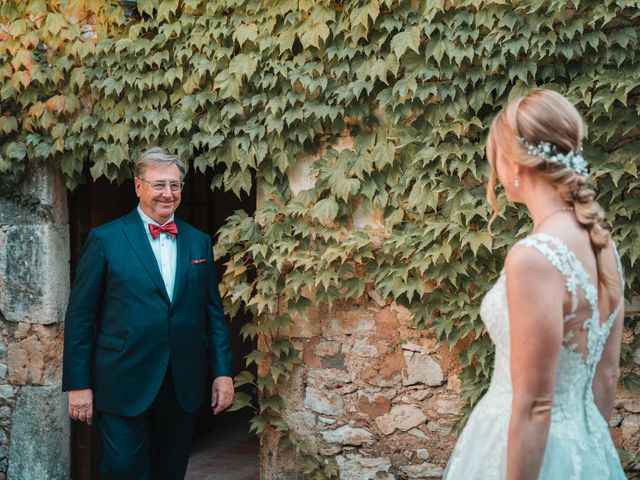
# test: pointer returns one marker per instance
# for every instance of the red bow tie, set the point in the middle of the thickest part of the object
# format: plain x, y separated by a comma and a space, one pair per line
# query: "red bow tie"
170, 229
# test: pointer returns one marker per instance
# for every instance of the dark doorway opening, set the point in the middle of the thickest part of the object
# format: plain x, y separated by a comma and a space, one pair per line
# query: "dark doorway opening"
95, 203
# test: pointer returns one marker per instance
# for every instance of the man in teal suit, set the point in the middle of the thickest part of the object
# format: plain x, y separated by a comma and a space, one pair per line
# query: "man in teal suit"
143, 326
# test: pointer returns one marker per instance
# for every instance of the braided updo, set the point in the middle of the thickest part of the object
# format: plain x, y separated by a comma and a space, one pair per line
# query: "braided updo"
547, 116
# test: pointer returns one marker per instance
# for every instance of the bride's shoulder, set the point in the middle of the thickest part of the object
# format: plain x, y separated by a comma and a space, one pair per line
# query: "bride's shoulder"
533, 257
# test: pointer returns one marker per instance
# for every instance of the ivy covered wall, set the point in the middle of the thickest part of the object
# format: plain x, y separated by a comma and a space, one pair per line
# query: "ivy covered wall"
253, 88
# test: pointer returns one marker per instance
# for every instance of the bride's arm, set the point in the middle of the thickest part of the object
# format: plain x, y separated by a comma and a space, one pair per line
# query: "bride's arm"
535, 294
607, 373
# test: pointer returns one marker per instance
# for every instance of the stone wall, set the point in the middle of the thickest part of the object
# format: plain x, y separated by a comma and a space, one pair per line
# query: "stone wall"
382, 399
34, 286
625, 419
374, 393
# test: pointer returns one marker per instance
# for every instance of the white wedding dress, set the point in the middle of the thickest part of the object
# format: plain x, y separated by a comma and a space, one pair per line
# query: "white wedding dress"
579, 444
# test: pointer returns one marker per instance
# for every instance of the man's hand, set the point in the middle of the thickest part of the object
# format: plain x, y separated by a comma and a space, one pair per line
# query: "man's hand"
221, 394
81, 405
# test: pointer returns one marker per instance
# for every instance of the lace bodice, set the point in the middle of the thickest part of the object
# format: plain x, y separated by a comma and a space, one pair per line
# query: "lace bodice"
584, 337
579, 445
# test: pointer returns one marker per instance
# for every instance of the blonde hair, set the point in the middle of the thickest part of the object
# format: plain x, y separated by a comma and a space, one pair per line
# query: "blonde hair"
547, 116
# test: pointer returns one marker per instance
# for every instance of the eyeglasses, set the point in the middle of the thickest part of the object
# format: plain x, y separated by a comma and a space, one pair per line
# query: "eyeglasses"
161, 186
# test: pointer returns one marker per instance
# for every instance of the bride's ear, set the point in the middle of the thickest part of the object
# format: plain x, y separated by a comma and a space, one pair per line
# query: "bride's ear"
518, 169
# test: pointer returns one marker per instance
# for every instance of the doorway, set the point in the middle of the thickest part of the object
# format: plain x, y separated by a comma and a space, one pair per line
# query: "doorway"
98, 202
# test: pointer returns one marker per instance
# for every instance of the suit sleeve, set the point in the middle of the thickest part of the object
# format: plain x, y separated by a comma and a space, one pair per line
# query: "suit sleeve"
220, 356
82, 315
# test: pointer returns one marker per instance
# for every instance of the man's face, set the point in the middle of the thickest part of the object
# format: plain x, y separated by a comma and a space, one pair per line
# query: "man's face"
157, 199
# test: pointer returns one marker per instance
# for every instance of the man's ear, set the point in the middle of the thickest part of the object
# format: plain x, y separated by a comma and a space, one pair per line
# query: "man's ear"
137, 184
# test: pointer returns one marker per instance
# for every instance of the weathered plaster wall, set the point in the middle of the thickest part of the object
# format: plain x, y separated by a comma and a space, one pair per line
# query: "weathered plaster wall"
34, 286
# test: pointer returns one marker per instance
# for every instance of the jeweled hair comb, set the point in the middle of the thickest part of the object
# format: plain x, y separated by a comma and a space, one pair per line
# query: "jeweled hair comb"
549, 152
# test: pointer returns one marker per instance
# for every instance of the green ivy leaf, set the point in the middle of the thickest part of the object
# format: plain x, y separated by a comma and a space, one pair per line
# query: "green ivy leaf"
326, 210
407, 39
243, 66
245, 32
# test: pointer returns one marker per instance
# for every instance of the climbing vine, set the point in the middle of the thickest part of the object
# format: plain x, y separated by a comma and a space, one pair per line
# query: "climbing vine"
247, 88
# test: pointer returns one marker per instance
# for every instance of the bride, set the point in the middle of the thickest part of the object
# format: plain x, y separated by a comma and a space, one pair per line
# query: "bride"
555, 313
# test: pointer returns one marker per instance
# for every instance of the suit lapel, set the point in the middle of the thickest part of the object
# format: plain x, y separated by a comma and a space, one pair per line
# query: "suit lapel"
133, 229
182, 261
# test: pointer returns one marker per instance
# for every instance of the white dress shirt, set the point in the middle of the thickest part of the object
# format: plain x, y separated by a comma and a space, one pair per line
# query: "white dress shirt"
165, 249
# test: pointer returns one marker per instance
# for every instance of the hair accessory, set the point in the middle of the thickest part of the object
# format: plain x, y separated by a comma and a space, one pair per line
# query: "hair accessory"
549, 152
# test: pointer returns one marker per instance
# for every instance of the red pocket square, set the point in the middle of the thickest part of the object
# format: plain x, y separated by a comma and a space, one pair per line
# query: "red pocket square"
199, 260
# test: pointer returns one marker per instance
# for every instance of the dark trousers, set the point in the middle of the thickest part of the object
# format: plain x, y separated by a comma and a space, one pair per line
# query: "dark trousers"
151, 446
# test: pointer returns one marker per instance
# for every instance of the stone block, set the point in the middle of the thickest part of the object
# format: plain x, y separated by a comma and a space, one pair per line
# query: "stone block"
362, 348
448, 404
422, 470
401, 417
35, 358
327, 348
326, 421
420, 395
34, 272
348, 435
323, 401
355, 322
39, 446
631, 427
630, 403
439, 429
332, 378
47, 185
421, 368
357, 467
6, 392
334, 361
615, 419
301, 422
422, 454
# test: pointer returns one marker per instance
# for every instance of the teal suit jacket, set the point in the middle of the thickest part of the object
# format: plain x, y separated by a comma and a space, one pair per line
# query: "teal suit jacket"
122, 331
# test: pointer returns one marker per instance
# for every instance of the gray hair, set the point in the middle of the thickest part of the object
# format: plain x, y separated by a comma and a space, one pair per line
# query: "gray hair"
158, 156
